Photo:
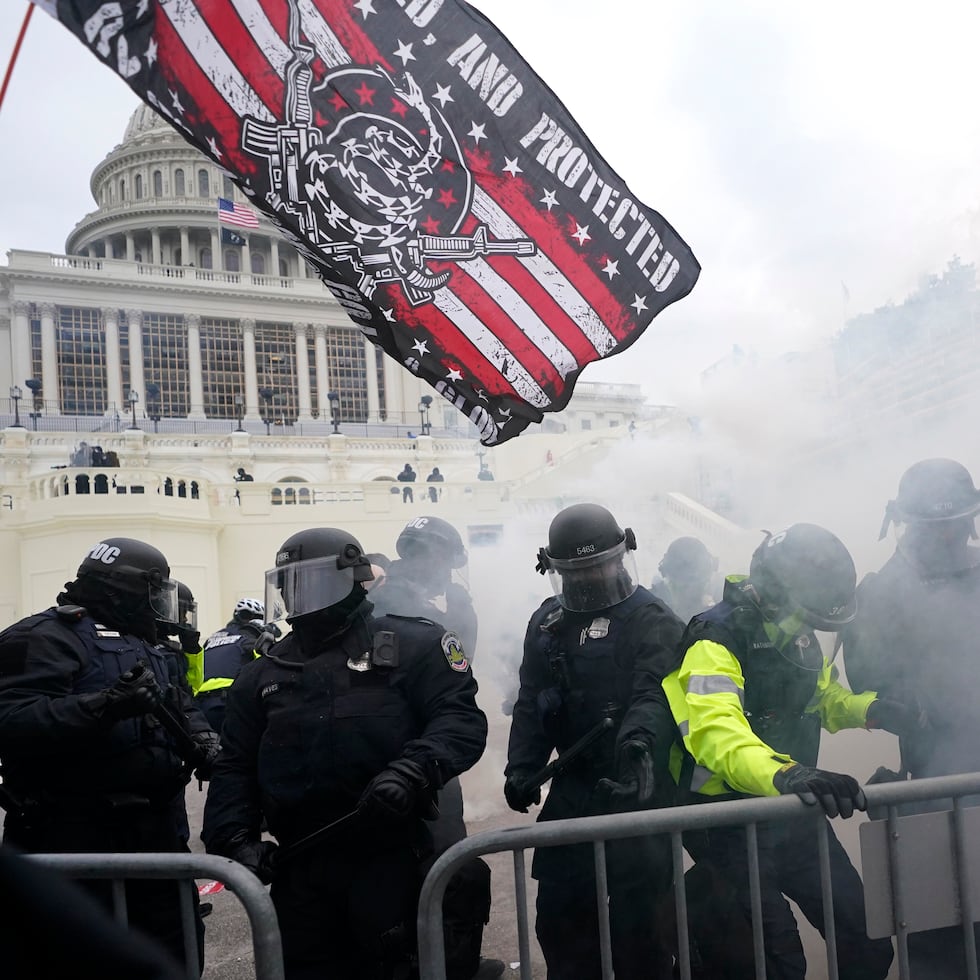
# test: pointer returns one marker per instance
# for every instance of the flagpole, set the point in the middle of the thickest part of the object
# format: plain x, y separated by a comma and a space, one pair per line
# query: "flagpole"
13, 57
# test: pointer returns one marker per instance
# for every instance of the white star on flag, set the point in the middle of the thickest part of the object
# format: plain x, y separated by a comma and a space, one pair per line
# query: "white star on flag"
582, 234
481, 394
639, 303
176, 101
144, 5
214, 148
512, 167
550, 200
404, 52
442, 95
421, 346
151, 51
477, 133
454, 375
389, 315
611, 269
365, 7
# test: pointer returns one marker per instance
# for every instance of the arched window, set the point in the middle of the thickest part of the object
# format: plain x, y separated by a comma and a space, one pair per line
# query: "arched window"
138, 186
204, 258
276, 497
122, 189
304, 496
283, 268
233, 262
157, 184
227, 187
179, 182
258, 264
203, 184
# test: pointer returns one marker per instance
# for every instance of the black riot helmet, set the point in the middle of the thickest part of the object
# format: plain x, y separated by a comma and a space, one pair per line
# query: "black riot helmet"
687, 560
316, 569
930, 491
132, 576
589, 559
805, 578
431, 539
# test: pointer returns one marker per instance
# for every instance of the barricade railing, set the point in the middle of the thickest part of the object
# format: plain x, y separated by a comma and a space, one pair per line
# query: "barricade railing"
889, 903
185, 868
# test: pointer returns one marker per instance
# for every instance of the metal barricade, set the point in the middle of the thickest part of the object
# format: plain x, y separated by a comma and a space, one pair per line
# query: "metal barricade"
886, 864
184, 868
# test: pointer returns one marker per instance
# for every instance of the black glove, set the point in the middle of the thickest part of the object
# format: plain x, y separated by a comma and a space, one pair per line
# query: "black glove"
837, 793
135, 693
634, 774
258, 856
394, 793
209, 745
518, 794
894, 717
190, 639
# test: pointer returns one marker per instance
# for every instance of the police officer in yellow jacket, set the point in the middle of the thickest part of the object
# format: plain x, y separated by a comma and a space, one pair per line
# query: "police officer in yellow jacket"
749, 699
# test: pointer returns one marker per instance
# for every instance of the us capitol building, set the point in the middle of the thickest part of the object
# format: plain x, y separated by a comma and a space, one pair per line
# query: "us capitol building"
160, 358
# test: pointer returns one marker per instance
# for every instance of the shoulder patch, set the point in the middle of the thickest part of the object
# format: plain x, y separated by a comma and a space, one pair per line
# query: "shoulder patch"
453, 650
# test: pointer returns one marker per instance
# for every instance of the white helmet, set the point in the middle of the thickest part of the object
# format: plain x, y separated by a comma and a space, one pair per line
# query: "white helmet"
249, 609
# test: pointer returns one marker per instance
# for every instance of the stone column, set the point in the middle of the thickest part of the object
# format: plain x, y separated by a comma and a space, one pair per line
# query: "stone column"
322, 373
136, 382
155, 255
274, 250
371, 370
185, 246
49, 361
113, 362
394, 397
303, 373
194, 366
20, 342
246, 256
130, 247
251, 371
217, 256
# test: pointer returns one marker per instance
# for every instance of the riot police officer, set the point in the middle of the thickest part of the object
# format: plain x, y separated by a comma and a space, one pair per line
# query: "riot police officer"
594, 658
224, 654
684, 584
749, 700
87, 765
915, 639
351, 723
428, 580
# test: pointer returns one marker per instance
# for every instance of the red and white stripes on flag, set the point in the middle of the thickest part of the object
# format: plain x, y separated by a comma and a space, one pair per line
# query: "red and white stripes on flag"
442, 191
232, 213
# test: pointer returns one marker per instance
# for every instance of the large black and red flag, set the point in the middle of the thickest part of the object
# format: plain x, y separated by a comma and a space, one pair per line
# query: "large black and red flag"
440, 188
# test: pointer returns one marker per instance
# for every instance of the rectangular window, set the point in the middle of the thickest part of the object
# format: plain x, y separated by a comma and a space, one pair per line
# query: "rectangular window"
81, 360
221, 359
165, 362
275, 360
347, 372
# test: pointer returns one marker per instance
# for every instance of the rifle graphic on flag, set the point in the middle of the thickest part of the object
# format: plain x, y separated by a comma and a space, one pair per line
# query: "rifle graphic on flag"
441, 190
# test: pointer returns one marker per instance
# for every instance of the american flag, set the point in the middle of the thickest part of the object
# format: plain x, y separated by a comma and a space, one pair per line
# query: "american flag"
442, 191
231, 213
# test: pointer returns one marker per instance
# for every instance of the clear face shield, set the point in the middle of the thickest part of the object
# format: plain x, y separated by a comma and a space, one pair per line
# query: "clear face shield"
188, 614
308, 586
594, 582
791, 630
162, 595
940, 546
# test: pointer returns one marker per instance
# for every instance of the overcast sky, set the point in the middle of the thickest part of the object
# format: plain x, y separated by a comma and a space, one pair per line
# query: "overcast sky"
797, 148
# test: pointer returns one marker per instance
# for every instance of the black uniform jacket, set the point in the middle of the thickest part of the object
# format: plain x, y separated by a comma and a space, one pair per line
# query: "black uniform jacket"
917, 639
303, 736
52, 748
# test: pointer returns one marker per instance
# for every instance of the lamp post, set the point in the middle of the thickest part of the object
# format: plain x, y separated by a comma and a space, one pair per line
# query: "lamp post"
425, 403
334, 400
267, 394
240, 412
37, 401
15, 396
133, 399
